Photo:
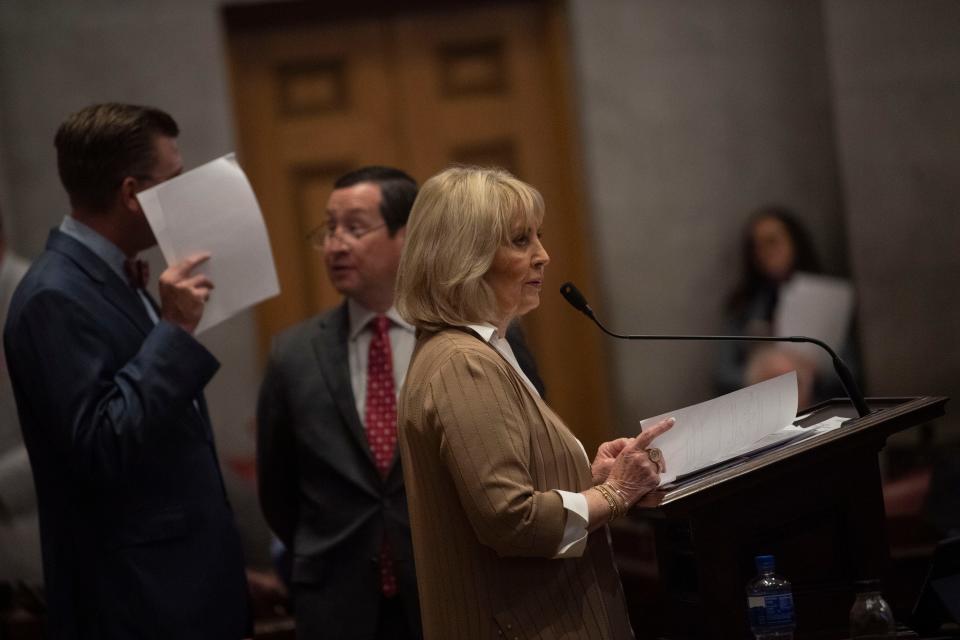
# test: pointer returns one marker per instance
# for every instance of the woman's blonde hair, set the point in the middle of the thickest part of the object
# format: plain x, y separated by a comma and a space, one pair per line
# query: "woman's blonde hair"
460, 218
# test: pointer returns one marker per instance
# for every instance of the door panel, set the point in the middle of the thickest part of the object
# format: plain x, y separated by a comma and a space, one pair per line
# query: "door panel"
420, 90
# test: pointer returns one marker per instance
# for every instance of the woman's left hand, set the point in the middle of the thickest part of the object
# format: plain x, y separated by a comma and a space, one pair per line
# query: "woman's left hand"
606, 455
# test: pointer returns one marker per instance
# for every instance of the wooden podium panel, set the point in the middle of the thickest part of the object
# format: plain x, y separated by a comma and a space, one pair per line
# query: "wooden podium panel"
815, 504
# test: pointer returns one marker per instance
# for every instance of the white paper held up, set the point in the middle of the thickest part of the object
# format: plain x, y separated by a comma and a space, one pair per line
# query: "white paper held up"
724, 427
817, 306
213, 209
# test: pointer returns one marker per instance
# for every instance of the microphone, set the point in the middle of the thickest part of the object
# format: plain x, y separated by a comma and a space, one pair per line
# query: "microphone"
576, 299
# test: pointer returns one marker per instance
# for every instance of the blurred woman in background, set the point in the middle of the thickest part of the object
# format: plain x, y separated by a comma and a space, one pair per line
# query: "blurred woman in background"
775, 247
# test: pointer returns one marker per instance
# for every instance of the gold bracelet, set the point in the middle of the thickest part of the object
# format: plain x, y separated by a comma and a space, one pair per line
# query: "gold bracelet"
619, 496
620, 507
617, 507
610, 504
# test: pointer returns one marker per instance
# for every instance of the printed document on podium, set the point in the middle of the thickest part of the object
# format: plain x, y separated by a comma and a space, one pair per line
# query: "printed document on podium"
213, 209
748, 419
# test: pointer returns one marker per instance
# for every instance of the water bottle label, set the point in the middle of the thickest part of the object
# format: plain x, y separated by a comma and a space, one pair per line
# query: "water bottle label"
771, 609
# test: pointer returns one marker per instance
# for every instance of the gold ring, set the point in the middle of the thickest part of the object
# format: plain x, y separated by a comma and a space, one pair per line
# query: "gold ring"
656, 457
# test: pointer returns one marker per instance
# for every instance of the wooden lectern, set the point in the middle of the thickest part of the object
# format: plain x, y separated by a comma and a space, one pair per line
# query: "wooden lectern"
815, 504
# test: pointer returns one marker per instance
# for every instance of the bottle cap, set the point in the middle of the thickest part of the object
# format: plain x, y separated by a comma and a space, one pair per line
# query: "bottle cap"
764, 563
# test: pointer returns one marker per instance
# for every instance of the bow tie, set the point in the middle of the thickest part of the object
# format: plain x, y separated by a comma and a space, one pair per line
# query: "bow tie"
137, 272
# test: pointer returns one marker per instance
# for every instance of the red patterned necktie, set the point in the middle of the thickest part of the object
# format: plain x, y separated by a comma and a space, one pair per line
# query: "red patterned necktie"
137, 272
381, 423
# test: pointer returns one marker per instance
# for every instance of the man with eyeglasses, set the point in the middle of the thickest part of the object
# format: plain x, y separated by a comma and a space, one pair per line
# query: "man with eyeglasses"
331, 486
137, 536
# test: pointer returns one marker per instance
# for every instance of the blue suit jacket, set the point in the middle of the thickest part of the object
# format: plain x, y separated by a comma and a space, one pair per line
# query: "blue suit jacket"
138, 537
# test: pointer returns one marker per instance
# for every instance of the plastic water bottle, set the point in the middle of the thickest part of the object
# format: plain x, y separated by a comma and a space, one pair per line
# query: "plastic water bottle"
871, 616
770, 601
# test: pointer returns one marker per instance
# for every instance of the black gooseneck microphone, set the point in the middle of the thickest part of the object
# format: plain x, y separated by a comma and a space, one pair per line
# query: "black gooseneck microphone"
572, 295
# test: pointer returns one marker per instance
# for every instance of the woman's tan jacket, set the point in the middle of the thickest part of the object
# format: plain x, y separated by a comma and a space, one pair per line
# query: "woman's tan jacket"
481, 455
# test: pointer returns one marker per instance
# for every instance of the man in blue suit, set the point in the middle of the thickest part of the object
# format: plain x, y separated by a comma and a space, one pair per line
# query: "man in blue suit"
137, 536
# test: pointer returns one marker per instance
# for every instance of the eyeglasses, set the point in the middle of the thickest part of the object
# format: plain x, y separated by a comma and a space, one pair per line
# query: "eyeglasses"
348, 234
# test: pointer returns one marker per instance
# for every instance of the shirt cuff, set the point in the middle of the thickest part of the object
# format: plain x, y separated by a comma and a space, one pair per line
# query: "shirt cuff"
575, 530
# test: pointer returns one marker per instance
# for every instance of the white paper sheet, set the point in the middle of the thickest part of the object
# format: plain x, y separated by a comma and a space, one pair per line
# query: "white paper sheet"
213, 209
721, 428
824, 426
816, 306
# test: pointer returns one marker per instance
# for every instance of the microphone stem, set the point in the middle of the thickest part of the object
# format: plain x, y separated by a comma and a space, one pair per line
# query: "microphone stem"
846, 378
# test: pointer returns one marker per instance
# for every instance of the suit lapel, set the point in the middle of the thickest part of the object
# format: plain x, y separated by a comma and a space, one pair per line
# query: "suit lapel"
330, 348
124, 298
153, 303
128, 302
201, 411
112, 287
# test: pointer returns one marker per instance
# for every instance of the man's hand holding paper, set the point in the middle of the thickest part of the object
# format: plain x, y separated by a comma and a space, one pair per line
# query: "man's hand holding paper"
183, 294
212, 210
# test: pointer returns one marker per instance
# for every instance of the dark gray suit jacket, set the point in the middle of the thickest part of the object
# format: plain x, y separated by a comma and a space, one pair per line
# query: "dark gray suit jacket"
319, 488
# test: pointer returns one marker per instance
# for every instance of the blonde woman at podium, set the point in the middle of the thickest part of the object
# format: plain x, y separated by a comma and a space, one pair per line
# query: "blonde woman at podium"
506, 510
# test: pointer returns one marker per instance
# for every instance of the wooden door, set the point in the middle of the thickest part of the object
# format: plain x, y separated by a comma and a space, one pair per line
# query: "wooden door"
316, 96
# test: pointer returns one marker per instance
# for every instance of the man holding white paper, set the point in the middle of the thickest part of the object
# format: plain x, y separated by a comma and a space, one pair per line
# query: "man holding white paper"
138, 538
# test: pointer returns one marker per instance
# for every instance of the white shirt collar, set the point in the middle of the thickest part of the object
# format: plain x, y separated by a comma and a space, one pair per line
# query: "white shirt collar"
360, 317
486, 331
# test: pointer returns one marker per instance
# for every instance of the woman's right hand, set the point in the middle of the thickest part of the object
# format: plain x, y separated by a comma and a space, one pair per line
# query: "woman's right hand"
634, 474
